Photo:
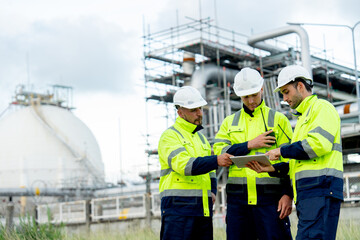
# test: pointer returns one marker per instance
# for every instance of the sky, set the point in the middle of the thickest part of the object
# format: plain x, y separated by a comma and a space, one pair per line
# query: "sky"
96, 47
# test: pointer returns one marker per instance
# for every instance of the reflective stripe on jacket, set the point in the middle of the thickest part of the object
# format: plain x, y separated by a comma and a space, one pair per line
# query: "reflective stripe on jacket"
318, 129
181, 192
240, 127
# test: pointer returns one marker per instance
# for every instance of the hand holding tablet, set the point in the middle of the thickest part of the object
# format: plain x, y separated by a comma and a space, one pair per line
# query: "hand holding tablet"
241, 161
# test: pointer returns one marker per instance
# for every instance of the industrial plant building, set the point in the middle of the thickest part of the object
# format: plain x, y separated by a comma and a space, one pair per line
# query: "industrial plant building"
49, 148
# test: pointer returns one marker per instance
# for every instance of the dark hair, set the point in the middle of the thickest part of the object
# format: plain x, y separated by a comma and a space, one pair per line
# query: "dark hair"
177, 106
306, 82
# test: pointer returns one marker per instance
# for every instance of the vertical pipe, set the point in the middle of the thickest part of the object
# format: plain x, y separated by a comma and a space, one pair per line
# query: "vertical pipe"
9, 215
93, 210
211, 121
120, 155
221, 111
216, 117
148, 200
60, 212
117, 206
328, 90
347, 187
223, 198
227, 103
356, 72
87, 215
224, 82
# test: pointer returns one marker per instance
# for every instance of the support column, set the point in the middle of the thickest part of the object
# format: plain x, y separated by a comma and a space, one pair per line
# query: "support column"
9, 215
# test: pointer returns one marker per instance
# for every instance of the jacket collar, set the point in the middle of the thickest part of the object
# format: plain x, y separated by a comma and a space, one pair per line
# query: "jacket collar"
189, 127
305, 104
256, 110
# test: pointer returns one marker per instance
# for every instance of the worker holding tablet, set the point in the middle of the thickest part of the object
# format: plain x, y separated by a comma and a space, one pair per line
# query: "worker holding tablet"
257, 205
316, 165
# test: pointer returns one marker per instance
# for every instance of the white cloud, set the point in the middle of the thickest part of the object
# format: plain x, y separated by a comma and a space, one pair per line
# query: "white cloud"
96, 47
90, 54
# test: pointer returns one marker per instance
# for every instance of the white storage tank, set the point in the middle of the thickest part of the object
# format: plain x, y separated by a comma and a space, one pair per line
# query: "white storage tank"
47, 146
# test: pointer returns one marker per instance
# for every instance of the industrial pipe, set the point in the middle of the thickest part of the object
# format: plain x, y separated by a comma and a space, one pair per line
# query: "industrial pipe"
256, 41
16, 192
208, 72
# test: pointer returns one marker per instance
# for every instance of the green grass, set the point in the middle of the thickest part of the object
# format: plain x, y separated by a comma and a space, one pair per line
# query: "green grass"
29, 230
129, 234
348, 229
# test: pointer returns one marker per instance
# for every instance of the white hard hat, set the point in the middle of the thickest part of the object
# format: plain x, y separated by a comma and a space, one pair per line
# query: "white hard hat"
189, 97
248, 81
290, 73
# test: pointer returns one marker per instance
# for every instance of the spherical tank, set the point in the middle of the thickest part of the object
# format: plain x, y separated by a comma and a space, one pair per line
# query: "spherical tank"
47, 146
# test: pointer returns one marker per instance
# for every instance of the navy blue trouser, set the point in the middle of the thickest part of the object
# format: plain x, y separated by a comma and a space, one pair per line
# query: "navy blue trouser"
186, 228
248, 222
318, 218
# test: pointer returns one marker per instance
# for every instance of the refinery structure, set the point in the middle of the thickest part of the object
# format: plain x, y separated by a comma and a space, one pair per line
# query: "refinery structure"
52, 153
207, 57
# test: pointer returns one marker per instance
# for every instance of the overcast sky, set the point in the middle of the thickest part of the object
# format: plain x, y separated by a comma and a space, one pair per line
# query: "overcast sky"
96, 47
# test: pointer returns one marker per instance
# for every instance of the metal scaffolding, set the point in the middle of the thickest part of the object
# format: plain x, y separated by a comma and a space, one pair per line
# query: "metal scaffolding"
166, 64
207, 57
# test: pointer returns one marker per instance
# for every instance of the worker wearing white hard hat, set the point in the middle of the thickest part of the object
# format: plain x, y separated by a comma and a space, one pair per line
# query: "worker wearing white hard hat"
257, 205
316, 166
291, 73
247, 82
189, 97
188, 178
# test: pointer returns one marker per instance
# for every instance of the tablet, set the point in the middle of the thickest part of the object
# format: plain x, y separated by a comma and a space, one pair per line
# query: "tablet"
241, 161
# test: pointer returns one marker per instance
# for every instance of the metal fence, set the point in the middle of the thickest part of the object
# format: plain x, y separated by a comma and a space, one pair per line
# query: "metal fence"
133, 206
155, 204
66, 212
122, 207
352, 187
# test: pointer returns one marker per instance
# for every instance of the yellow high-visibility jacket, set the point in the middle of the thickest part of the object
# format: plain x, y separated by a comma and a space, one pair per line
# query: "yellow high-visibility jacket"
246, 185
316, 167
187, 171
